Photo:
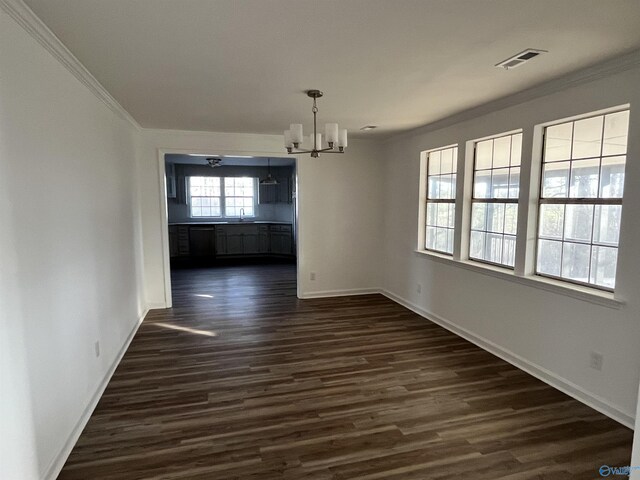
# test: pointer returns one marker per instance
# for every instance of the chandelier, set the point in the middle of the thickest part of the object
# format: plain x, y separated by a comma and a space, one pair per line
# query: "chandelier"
335, 138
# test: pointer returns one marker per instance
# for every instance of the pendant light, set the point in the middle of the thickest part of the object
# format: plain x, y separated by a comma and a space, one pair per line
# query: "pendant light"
269, 180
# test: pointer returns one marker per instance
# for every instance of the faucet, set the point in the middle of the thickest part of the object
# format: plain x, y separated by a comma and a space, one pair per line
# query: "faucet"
242, 214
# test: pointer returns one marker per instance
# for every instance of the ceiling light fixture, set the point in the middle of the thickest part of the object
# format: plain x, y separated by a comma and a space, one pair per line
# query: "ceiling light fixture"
269, 180
201, 154
369, 127
214, 162
293, 137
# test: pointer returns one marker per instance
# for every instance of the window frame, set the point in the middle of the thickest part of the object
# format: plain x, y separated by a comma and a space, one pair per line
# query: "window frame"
253, 197
222, 197
437, 201
530, 186
488, 200
568, 200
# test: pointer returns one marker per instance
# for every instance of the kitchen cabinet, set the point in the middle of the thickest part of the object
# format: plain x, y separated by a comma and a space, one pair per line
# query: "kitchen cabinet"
267, 194
263, 239
230, 240
173, 241
283, 193
178, 240
280, 193
170, 169
280, 239
237, 239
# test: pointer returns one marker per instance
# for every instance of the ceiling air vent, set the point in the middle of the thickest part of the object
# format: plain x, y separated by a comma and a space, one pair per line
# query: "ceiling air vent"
520, 58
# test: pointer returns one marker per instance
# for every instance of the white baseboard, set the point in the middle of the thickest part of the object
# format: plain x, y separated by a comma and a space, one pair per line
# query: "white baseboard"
339, 293
541, 373
155, 306
59, 460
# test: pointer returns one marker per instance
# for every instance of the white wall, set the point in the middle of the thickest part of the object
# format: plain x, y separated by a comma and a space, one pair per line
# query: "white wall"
341, 221
339, 211
551, 333
70, 251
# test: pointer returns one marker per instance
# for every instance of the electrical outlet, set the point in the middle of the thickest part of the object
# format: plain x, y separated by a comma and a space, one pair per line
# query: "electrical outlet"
596, 360
312, 276
419, 288
96, 346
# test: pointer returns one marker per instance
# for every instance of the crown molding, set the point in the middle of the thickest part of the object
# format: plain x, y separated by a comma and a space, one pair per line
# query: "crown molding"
592, 73
29, 21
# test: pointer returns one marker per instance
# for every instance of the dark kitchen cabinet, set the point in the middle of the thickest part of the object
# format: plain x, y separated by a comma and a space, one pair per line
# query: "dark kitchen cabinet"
179, 241
250, 243
237, 239
263, 239
280, 193
173, 241
267, 194
232, 240
283, 192
281, 240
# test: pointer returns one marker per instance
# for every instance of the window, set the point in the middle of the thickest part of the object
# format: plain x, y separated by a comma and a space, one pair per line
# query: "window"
441, 194
494, 206
238, 195
205, 196
581, 199
208, 199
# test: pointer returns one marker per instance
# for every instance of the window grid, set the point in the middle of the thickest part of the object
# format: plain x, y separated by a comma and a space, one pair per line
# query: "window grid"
440, 203
239, 193
205, 197
498, 161
565, 196
208, 199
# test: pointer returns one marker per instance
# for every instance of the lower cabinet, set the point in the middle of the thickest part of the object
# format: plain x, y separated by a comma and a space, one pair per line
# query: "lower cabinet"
179, 240
263, 239
237, 240
230, 240
281, 242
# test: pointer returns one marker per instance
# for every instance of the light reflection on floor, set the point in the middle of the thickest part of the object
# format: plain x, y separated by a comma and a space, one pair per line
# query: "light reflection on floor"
186, 329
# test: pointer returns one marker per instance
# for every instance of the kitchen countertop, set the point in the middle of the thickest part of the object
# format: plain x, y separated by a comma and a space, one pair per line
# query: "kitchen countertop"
236, 222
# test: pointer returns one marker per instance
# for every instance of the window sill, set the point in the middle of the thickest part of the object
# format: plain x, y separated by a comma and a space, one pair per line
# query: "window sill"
587, 294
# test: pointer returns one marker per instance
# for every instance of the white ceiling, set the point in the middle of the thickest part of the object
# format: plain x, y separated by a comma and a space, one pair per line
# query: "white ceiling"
242, 65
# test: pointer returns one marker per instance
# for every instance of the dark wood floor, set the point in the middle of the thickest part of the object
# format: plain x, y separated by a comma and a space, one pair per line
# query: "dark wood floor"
241, 380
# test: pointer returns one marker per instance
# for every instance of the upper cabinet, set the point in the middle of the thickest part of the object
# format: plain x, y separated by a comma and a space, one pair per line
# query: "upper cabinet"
170, 169
280, 193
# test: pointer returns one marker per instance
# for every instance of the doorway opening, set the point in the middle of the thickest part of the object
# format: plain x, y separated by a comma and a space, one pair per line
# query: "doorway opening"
231, 219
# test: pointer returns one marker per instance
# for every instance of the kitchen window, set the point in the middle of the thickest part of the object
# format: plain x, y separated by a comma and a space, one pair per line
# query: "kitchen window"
441, 194
494, 206
581, 199
239, 194
208, 198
